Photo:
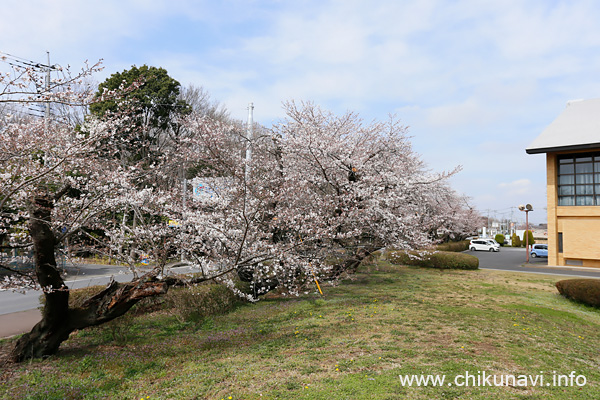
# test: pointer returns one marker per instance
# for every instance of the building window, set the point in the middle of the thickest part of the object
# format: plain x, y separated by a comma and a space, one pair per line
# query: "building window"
560, 242
579, 179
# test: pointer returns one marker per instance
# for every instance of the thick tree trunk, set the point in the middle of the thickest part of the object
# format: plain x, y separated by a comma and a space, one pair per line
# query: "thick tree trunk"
58, 320
47, 335
114, 301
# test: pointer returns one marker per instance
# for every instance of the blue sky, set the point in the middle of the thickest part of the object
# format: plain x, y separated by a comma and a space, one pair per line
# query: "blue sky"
476, 81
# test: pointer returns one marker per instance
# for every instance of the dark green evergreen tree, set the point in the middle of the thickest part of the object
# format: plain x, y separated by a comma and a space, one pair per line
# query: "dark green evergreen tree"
530, 238
516, 241
500, 239
149, 97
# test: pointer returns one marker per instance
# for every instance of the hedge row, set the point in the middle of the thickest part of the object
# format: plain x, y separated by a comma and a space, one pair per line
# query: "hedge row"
439, 259
453, 246
584, 290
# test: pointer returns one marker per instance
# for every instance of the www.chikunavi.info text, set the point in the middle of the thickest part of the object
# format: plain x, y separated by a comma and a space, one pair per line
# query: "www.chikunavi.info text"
482, 378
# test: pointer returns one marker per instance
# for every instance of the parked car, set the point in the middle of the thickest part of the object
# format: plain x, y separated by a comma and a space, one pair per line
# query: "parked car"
539, 250
484, 244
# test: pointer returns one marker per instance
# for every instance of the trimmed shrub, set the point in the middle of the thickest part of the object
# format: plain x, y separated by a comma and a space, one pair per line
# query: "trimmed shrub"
516, 241
586, 291
439, 259
453, 246
194, 304
529, 238
500, 239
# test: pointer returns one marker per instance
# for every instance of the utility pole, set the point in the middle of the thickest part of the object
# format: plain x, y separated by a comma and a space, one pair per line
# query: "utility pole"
19, 62
183, 205
47, 114
249, 137
512, 230
183, 200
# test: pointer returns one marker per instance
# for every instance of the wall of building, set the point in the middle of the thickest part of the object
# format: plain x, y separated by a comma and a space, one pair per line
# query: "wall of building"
579, 225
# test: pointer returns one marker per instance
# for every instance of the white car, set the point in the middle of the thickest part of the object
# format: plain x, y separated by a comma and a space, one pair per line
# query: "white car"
484, 244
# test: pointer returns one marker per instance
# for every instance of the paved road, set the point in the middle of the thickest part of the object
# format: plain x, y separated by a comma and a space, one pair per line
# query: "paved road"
514, 259
78, 277
19, 312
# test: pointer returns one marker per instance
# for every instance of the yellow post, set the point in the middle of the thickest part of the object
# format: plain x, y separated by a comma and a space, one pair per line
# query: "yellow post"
317, 282
313, 272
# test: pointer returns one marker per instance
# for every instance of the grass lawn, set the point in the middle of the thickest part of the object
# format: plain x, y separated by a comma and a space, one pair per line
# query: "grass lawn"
352, 344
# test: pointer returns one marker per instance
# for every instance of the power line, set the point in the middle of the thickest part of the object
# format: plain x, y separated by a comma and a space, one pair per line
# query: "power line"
20, 62
24, 61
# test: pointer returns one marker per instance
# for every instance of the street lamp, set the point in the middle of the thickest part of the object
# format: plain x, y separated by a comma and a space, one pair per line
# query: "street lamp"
526, 208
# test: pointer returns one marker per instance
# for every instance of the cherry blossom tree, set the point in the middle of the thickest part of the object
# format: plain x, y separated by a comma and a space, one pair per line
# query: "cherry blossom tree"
57, 182
53, 186
325, 192
322, 193
354, 186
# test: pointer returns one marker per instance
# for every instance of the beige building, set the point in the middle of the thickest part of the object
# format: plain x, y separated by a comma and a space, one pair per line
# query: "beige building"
572, 147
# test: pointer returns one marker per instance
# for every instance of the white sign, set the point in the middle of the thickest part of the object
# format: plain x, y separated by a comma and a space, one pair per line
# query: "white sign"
206, 189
